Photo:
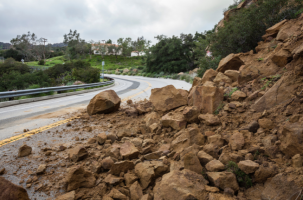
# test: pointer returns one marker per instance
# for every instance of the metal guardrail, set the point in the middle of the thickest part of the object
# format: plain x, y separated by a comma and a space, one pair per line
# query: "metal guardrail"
19, 93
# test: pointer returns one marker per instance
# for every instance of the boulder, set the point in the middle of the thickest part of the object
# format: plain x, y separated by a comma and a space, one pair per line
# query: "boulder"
129, 151
174, 120
248, 166
116, 194
247, 73
24, 150
114, 151
101, 138
238, 96
122, 166
77, 153
236, 141
77, 177
288, 30
282, 57
195, 136
281, 187
67, 196
232, 74
296, 161
135, 191
222, 78
107, 163
137, 142
273, 31
204, 157
130, 178
265, 171
151, 118
191, 162
167, 98
191, 114
223, 180
148, 171
291, 137
214, 166
209, 75
184, 93
266, 123
104, 102
144, 107
297, 52
231, 62
11, 191
209, 119
185, 185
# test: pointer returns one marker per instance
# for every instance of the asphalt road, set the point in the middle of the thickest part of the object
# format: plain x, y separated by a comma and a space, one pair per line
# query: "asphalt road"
14, 119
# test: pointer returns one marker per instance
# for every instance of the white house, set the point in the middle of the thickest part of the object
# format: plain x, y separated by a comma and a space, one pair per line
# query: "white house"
98, 47
135, 53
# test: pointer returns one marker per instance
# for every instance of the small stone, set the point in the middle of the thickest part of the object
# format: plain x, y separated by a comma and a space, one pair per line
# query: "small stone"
24, 150
101, 138
248, 166
41, 169
214, 166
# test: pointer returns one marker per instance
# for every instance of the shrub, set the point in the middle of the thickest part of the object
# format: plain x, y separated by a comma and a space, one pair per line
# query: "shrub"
41, 62
243, 179
206, 63
87, 75
175, 76
11, 65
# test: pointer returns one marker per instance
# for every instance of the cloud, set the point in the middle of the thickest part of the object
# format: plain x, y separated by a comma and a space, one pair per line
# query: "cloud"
101, 19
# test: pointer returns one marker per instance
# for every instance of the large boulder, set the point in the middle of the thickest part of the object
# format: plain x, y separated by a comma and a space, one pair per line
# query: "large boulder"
248, 166
191, 114
122, 166
231, 62
223, 180
167, 98
273, 31
104, 102
77, 177
209, 75
11, 191
174, 120
282, 57
144, 107
148, 171
292, 137
222, 78
183, 185
247, 73
129, 151
288, 30
151, 118
191, 162
232, 74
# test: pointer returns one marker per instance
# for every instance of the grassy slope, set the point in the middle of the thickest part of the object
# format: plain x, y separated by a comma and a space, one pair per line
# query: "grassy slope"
110, 62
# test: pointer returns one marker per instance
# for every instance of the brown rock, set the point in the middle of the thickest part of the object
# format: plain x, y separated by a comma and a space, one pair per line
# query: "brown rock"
107, 163
77, 177
116, 194
266, 123
101, 138
68, 196
185, 184
24, 150
131, 111
232, 74
129, 151
223, 180
114, 151
2, 171
248, 166
265, 171
112, 137
195, 137
213, 196
148, 171
122, 166
135, 191
296, 161
282, 57
214, 166
231, 62
236, 141
77, 153
91, 141
204, 157
209, 119
11, 191
104, 102
167, 98
184, 93
144, 107
222, 78
130, 178
292, 135
273, 31
191, 114
174, 120
112, 180
146, 197
191, 162
151, 118
209, 75
41, 169
247, 73
238, 96
288, 30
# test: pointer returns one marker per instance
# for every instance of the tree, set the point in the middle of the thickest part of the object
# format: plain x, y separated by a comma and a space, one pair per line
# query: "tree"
109, 41
100, 48
30, 47
76, 45
140, 45
125, 45
114, 49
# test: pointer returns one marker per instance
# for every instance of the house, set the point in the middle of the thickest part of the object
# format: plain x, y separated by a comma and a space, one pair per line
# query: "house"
97, 48
135, 53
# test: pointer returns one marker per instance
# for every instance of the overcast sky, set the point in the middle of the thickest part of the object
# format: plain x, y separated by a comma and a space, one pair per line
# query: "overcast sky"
108, 19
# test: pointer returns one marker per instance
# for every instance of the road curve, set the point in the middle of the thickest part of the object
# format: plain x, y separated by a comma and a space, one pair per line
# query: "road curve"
14, 119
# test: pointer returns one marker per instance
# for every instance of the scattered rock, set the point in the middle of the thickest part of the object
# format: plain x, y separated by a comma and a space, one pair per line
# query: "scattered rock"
296, 161
223, 180
214, 166
2, 171
174, 120
77, 153
266, 123
24, 150
191, 114
67, 196
122, 166
232, 74
209, 119
77, 177
130, 178
129, 151
41, 169
209, 75
135, 191
248, 166
238, 96
112, 180
204, 157
231, 62
101, 138
236, 141
191, 162
104, 102
11, 191
222, 78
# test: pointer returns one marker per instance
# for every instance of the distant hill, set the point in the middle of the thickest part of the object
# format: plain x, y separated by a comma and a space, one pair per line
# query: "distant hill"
59, 45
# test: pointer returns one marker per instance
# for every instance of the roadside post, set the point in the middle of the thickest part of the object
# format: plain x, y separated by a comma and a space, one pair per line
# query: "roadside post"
103, 63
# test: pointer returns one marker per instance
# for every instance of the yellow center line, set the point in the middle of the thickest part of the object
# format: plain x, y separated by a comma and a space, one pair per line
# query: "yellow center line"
44, 128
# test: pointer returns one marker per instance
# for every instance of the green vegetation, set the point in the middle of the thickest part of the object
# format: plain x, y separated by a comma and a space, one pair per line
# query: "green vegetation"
243, 179
272, 79
220, 107
231, 92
